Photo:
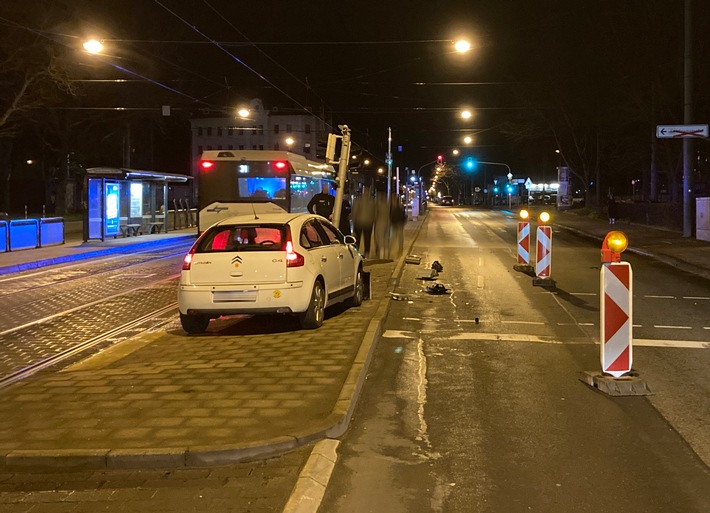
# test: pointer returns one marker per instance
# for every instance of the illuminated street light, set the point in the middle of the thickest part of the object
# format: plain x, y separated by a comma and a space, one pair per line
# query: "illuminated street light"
93, 46
380, 170
455, 152
462, 46
366, 162
243, 112
468, 139
289, 141
466, 114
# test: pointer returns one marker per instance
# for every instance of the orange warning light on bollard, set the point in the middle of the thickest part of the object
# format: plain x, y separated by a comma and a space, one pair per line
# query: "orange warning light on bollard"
614, 244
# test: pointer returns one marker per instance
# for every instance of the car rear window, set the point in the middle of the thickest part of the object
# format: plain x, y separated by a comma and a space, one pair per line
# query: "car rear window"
242, 238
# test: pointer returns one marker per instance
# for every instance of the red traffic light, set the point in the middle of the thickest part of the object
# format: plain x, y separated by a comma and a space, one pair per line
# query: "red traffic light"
440, 159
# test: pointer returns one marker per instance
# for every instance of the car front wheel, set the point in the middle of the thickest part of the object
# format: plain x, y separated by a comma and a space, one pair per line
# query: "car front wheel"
194, 324
313, 317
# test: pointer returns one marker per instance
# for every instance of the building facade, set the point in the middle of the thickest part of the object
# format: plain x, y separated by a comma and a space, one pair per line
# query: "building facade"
304, 134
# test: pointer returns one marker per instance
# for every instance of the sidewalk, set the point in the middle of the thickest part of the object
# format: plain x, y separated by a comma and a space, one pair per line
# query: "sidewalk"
75, 249
669, 247
165, 399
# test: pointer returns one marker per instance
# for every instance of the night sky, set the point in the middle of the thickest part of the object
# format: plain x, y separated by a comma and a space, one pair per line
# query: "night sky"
379, 64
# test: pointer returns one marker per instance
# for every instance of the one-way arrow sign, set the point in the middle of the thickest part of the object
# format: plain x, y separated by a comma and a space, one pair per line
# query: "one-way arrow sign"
681, 131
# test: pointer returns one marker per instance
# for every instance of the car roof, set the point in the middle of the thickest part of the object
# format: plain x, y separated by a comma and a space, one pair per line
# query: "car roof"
275, 218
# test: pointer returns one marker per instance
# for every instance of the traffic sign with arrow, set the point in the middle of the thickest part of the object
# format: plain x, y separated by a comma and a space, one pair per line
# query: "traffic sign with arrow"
681, 131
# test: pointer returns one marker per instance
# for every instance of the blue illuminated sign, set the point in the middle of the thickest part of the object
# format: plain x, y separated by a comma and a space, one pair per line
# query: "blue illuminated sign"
111, 214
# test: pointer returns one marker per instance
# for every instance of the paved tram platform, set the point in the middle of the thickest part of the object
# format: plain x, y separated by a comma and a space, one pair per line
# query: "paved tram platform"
166, 399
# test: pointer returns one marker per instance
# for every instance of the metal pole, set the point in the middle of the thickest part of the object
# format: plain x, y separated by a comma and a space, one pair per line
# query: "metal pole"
687, 118
389, 162
342, 172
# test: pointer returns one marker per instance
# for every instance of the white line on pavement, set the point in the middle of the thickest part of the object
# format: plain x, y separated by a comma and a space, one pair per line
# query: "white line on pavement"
514, 337
660, 297
673, 327
698, 297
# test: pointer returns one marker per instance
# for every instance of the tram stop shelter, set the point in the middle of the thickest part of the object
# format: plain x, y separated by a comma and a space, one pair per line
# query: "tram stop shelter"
127, 202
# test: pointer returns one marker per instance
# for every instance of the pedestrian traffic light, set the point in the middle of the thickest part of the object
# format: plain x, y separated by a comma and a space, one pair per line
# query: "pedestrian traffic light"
439, 159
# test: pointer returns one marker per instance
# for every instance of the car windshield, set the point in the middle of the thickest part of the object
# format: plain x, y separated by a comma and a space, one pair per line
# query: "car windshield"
266, 237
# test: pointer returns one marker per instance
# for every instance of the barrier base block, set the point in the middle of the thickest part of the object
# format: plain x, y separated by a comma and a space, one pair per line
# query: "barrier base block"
628, 385
548, 283
525, 268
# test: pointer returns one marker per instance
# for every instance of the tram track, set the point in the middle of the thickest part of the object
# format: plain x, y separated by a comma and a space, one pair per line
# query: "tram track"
81, 347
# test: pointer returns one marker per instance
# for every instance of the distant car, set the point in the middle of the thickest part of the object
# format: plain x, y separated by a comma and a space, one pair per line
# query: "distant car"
447, 201
269, 263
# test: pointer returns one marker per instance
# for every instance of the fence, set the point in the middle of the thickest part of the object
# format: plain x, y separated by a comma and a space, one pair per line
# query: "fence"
20, 234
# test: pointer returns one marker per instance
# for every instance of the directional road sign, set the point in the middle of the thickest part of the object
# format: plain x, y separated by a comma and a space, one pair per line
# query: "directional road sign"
681, 131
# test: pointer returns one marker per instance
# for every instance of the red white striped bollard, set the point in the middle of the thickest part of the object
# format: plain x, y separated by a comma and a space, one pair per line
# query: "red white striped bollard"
543, 261
616, 306
524, 242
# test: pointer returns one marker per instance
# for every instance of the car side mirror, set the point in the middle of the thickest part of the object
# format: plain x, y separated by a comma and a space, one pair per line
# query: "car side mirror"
349, 239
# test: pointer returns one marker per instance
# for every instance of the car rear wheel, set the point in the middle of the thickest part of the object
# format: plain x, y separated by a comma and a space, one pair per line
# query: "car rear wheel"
356, 299
194, 323
313, 317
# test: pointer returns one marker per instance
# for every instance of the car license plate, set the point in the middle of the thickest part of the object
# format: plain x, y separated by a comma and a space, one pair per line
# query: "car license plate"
223, 296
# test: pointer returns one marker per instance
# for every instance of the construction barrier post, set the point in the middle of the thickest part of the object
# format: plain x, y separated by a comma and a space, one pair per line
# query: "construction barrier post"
523, 243
616, 318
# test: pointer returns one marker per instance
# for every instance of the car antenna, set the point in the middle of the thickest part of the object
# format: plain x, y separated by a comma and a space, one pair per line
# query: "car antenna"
254, 210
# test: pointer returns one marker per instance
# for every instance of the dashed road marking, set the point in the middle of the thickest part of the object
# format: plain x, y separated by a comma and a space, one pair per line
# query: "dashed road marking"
660, 297
673, 327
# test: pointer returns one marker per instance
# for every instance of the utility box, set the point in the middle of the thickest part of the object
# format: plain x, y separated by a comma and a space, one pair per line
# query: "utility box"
702, 219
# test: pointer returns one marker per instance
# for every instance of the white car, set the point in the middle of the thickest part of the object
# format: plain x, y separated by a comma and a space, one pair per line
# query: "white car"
269, 263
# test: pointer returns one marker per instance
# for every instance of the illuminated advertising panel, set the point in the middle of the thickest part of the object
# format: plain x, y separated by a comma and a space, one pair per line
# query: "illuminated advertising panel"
111, 214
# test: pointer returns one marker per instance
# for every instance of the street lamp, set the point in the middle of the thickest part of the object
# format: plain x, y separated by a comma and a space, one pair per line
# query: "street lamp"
466, 114
462, 46
468, 139
289, 141
93, 46
455, 152
243, 112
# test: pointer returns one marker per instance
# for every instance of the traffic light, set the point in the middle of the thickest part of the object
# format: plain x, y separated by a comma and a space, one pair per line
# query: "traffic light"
439, 159
470, 164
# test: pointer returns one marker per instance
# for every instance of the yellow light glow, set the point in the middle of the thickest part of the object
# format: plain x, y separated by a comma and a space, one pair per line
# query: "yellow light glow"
466, 114
524, 214
468, 139
617, 241
290, 141
544, 217
462, 46
243, 112
93, 46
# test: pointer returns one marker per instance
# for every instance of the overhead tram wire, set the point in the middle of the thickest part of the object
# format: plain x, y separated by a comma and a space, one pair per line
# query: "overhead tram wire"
238, 60
101, 59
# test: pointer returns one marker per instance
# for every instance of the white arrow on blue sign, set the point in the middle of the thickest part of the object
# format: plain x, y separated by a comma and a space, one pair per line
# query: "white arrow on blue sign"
681, 131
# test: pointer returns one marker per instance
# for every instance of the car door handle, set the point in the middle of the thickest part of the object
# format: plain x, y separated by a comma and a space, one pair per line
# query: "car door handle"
340, 256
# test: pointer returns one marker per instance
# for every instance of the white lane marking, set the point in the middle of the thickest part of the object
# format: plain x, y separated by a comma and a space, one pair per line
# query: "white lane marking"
637, 326
583, 293
512, 337
681, 344
697, 297
536, 323
480, 261
673, 327
660, 297
410, 319
587, 324
422, 430
479, 282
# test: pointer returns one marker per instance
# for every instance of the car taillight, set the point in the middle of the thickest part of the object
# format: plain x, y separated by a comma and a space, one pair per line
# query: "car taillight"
206, 165
280, 165
187, 261
293, 259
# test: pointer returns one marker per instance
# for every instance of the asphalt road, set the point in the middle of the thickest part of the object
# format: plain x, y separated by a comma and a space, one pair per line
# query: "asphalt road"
473, 401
